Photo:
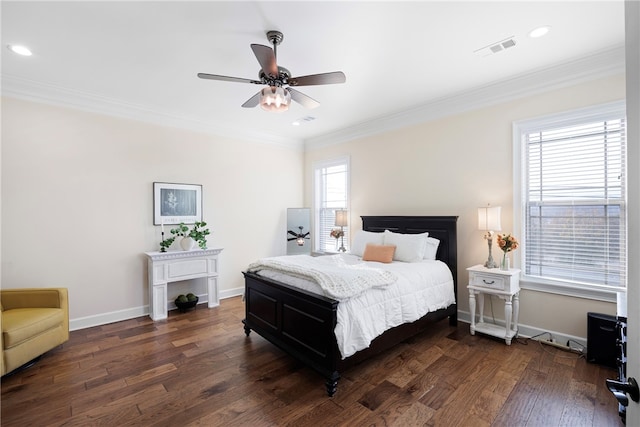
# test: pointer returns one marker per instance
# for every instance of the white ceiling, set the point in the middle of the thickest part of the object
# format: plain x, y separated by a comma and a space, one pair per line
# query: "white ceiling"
403, 60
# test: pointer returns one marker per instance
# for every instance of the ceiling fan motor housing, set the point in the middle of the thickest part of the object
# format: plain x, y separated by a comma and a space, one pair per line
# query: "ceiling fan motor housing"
282, 79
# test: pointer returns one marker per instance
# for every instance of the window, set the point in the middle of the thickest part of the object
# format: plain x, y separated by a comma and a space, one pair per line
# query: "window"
331, 186
571, 209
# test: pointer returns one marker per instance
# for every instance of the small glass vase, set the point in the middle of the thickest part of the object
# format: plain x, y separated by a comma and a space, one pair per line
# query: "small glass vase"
505, 264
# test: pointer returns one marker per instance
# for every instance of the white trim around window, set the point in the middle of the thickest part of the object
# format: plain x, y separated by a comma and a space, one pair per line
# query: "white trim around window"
521, 196
331, 189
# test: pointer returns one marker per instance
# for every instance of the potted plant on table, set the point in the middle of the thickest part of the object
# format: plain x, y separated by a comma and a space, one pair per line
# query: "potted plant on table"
198, 234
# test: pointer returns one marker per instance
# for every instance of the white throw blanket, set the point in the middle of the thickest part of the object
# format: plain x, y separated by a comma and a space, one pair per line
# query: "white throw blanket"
337, 279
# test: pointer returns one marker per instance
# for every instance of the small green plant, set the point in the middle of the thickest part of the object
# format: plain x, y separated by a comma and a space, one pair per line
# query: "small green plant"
198, 233
164, 245
182, 230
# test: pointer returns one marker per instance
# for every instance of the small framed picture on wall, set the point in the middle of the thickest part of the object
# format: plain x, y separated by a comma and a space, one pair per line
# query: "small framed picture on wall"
176, 203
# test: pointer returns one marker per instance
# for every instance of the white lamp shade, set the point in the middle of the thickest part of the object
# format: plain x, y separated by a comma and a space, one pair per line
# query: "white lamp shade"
489, 218
341, 218
275, 98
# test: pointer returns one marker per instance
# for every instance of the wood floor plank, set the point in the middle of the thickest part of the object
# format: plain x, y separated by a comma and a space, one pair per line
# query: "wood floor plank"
198, 368
551, 398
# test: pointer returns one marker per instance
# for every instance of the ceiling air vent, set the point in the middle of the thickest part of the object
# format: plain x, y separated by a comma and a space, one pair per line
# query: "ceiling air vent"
302, 120
496, 47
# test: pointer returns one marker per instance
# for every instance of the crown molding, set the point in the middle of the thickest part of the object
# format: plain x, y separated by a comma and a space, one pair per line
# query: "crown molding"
598, 65
601, 64
30, 90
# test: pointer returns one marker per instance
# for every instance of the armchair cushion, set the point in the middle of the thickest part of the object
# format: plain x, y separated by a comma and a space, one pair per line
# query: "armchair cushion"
33, 321
22, 324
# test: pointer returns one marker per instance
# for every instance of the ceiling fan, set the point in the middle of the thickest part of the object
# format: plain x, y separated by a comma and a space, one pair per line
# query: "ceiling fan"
298, 237
278, 94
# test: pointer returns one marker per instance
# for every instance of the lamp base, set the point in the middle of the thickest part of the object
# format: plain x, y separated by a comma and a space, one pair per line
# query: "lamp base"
490, 262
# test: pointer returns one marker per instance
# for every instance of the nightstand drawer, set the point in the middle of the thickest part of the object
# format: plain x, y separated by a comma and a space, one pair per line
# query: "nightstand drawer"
490, 281
493, 279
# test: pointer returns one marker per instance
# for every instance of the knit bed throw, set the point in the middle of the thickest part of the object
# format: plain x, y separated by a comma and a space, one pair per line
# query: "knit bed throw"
337, 279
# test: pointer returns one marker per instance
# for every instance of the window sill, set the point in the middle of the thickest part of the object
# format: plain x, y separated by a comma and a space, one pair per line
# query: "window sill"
572, 290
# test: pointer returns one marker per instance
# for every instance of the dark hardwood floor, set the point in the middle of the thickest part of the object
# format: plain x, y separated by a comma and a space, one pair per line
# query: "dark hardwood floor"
198, 368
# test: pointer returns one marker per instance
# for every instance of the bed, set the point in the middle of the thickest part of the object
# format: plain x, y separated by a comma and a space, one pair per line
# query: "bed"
302, 323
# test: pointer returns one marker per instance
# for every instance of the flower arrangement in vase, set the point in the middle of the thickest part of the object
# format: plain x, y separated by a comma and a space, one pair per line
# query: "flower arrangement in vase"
506, 243
337, 233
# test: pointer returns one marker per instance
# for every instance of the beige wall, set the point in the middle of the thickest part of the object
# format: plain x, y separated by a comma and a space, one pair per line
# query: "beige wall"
77, 195
453, 165
77, 202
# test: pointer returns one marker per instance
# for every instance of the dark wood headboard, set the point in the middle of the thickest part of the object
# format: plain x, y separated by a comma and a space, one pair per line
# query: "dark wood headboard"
442, 228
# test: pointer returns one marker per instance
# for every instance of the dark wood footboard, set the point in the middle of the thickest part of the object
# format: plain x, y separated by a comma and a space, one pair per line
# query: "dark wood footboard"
299, 322
302, 323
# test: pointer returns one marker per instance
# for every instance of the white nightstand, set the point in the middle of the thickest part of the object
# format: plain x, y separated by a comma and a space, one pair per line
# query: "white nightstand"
504, 284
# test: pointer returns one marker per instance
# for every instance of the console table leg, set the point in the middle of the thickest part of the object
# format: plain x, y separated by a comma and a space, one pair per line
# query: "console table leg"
472, 309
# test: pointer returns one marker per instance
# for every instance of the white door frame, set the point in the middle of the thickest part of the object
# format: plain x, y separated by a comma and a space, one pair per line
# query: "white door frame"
632, 48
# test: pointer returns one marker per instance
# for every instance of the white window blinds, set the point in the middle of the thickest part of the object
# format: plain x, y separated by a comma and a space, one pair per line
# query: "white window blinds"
331, 194
574, 201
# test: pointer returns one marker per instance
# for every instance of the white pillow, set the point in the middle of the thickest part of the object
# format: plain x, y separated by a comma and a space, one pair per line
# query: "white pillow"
361, 239
432, 248
409, 247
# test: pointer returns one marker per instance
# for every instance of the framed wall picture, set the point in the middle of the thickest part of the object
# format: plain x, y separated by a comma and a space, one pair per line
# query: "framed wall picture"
176, 203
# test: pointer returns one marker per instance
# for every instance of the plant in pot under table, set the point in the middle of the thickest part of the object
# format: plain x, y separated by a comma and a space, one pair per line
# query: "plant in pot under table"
198, 234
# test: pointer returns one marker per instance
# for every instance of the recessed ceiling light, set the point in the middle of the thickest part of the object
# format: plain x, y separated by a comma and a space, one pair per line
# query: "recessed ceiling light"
539, 32
20, 50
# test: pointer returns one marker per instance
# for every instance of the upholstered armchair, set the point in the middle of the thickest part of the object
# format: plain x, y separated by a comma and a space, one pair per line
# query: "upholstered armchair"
33, 321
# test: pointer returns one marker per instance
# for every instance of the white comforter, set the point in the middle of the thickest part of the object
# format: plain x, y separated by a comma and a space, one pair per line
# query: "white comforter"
338, 278
421, 287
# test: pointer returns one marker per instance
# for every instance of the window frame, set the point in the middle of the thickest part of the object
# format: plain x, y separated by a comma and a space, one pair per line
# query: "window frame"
317, 229
615, 109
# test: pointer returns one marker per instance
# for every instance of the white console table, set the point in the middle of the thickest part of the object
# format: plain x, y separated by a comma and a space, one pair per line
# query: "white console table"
173, 266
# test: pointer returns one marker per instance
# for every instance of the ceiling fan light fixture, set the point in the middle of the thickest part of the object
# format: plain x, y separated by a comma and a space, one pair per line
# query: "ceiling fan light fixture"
275, 99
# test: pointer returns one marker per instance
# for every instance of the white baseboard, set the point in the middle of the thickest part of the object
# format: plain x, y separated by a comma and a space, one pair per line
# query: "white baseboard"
527, 331
230, 293
132, 313
524, 331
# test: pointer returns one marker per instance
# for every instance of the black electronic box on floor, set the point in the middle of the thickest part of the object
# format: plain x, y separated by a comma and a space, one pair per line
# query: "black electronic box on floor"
601, 339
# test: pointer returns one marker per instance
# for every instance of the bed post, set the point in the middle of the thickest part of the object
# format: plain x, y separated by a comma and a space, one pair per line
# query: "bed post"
332, 383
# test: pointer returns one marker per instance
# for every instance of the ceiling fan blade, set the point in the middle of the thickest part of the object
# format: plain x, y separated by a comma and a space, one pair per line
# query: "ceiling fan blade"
318, 79
253, 101
227, 79
266, 58
302, 99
